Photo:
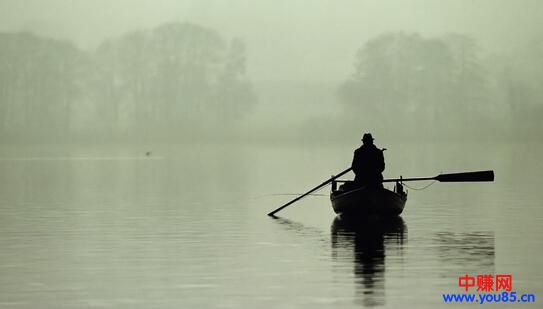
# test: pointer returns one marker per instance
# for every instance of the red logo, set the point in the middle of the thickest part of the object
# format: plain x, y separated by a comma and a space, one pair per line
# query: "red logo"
487, 282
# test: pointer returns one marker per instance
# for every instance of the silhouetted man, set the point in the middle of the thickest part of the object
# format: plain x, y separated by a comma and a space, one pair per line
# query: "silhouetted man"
368, 163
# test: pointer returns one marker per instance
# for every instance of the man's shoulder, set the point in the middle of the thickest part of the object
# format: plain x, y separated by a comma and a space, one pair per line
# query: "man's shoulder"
373, 149
367, 147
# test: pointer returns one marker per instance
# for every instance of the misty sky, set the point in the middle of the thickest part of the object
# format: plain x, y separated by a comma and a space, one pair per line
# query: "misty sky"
286, 40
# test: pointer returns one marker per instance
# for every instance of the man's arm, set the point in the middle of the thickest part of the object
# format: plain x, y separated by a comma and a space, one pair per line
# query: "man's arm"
356, 163
381, 161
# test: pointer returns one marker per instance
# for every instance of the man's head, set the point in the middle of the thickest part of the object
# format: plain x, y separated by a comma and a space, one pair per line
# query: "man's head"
367, 139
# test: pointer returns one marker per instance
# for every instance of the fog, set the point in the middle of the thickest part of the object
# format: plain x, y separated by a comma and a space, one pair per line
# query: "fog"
143, 142
113, 71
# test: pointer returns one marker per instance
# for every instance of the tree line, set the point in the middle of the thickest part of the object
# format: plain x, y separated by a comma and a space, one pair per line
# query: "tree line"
445, 87
183, 81
176, 79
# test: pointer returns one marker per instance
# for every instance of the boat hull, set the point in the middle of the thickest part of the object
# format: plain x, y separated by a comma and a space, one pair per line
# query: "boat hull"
364, 202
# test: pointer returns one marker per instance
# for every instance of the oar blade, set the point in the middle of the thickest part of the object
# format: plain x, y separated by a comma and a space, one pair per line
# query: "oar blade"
467, 177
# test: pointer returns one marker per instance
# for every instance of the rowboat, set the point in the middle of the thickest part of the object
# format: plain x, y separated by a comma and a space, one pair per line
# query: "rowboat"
351, 201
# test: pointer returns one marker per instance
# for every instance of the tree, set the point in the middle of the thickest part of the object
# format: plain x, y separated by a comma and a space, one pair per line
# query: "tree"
176, 76
522, 85
405, 80
39, 82
468, 76
234, 96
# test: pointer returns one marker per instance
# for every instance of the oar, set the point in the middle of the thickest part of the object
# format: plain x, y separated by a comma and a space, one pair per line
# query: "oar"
310, 191
455, 177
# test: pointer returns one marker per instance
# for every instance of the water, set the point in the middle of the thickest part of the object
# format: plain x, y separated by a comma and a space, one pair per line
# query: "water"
186, 227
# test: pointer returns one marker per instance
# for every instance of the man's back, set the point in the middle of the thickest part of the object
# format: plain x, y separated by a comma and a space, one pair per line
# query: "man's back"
368, 164
368, 158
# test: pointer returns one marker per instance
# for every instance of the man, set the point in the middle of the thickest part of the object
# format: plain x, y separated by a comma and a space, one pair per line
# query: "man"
368, 163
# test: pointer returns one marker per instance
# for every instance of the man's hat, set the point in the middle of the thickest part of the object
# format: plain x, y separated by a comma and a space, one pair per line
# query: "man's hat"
367, 137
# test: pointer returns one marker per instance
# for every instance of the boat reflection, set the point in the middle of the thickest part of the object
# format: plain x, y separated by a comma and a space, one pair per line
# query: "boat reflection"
367, 244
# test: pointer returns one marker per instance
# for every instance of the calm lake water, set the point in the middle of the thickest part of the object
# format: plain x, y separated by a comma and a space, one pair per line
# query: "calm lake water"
186, 227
